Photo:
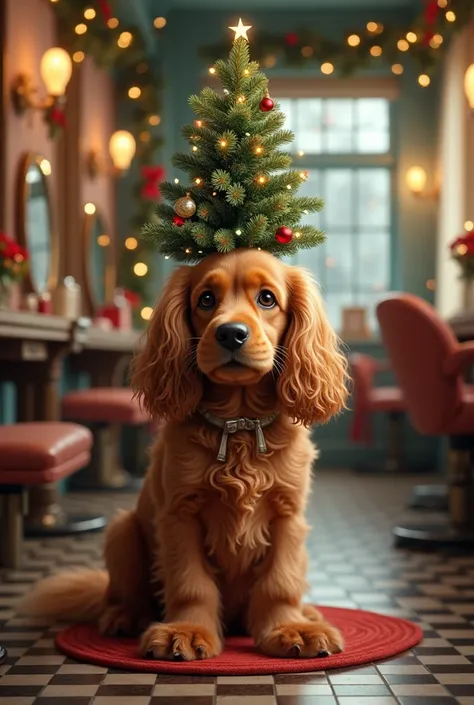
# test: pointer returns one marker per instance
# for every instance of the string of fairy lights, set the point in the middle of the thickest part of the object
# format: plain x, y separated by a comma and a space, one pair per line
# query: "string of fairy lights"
98, 32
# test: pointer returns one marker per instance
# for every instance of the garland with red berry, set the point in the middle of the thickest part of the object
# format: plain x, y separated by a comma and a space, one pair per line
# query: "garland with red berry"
424, 40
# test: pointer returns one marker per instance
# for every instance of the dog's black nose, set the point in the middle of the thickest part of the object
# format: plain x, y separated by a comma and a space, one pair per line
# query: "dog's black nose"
232, 335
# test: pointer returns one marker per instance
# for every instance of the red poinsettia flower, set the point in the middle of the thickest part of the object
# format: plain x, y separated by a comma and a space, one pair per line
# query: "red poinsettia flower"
152, 176
463, 245
58, 117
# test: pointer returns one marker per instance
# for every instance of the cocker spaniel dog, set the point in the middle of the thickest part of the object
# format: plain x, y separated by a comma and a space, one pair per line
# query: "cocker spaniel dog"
239, 361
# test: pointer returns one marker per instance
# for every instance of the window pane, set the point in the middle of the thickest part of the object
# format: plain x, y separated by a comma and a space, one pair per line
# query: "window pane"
338, 126
312, 186
338, 192
339, 263
334, 305
307, 125
373, 262
372, 125
286, 106
373, 187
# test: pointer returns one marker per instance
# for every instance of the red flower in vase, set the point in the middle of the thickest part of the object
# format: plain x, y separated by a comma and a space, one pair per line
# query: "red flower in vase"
463, 245
132, 297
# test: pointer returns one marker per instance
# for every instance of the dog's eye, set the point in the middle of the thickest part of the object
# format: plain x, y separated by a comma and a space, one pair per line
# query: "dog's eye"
207, 300
266, 299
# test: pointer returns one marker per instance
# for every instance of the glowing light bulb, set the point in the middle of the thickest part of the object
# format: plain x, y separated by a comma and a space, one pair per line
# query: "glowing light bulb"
89, 208
195, 149
176, 181
307, 51
416, 179
371, 26
289, 187
89, 13
451, 16
403, 45
468, 225
113, 23
212, 70
56, 70
297, 235
154, 120
134, 92
159, 22
198, 181
188, 250
412, 37
103, 240
376, 51
246, 72
424, 80
140, 269
78, 56
327, 68
146, 312
241, 99
124, 40
353, 40
238, 232
223, 143
461, 249
80, 28
436, 41
131, 243
198, 123
397, 69
261, 179
258, 150
442, 3
300, 153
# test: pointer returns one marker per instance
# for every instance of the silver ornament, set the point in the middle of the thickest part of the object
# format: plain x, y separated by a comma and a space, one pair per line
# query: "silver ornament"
185, 207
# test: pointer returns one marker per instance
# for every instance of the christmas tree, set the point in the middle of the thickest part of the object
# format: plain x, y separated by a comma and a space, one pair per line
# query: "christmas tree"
242, 190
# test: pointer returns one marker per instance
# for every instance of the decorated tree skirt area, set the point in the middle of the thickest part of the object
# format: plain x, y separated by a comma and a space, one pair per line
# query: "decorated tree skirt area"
368, 637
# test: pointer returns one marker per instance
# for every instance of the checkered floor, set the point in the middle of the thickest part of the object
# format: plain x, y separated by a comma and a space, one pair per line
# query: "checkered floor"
353, 564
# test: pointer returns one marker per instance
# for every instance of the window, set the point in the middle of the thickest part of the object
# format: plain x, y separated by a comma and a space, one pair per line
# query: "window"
345, 144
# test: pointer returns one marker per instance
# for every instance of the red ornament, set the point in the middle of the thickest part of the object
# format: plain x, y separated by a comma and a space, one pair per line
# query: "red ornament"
291, 39
178, 221
284, 235
266, 104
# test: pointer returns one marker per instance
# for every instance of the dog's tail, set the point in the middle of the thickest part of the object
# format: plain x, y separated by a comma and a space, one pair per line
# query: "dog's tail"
75, 596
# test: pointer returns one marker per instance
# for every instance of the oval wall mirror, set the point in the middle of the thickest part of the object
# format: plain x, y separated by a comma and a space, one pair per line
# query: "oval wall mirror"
35, 221
99, 260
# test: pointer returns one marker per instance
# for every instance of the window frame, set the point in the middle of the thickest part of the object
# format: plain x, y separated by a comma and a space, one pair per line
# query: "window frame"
387, 88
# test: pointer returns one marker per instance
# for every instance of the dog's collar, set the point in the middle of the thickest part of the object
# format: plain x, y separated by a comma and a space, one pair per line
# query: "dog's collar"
229, 426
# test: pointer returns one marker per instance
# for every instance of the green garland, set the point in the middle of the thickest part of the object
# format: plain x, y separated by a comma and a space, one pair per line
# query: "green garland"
424, 39
131, 68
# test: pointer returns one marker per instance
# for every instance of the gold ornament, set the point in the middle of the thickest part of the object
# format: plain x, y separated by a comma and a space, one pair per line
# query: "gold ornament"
185, 207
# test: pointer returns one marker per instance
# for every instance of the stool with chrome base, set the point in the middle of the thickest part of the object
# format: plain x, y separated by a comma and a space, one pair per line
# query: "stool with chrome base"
105, 410
34, 455
429, 364
370, 399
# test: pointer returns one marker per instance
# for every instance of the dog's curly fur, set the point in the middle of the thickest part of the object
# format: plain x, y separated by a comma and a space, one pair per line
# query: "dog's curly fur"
220, 545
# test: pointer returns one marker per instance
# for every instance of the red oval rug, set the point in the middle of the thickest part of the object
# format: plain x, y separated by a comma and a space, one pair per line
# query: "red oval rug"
368, 637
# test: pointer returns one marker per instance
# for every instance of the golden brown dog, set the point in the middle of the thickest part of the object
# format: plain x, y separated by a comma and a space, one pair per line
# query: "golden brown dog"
219, 543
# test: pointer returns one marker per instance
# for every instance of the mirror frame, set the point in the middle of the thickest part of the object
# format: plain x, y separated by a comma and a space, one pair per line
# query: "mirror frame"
31, 159
110, 272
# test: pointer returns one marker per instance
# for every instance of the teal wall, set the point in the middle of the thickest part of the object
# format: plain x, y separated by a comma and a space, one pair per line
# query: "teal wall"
415, 136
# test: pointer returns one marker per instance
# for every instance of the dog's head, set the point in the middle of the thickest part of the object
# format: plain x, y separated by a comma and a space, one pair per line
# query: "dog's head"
235, 319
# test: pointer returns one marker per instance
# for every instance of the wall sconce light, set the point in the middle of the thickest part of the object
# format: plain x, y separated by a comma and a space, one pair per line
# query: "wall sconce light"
469, 85
122, 148
416, 182
56, 71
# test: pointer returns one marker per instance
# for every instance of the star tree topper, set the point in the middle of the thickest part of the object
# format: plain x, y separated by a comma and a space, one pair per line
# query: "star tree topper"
241, 30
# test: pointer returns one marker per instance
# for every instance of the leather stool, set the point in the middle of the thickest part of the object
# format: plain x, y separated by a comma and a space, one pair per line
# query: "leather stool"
105, 410
34, 454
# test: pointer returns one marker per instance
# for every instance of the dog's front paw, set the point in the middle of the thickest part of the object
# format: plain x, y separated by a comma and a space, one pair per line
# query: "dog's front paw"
179, 641
302, 639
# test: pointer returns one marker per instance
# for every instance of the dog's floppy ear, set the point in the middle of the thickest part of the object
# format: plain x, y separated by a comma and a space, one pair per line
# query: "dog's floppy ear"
312, 386
164, 376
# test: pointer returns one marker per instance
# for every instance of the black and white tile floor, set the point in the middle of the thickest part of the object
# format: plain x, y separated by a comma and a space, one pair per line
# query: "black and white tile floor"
353, 564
